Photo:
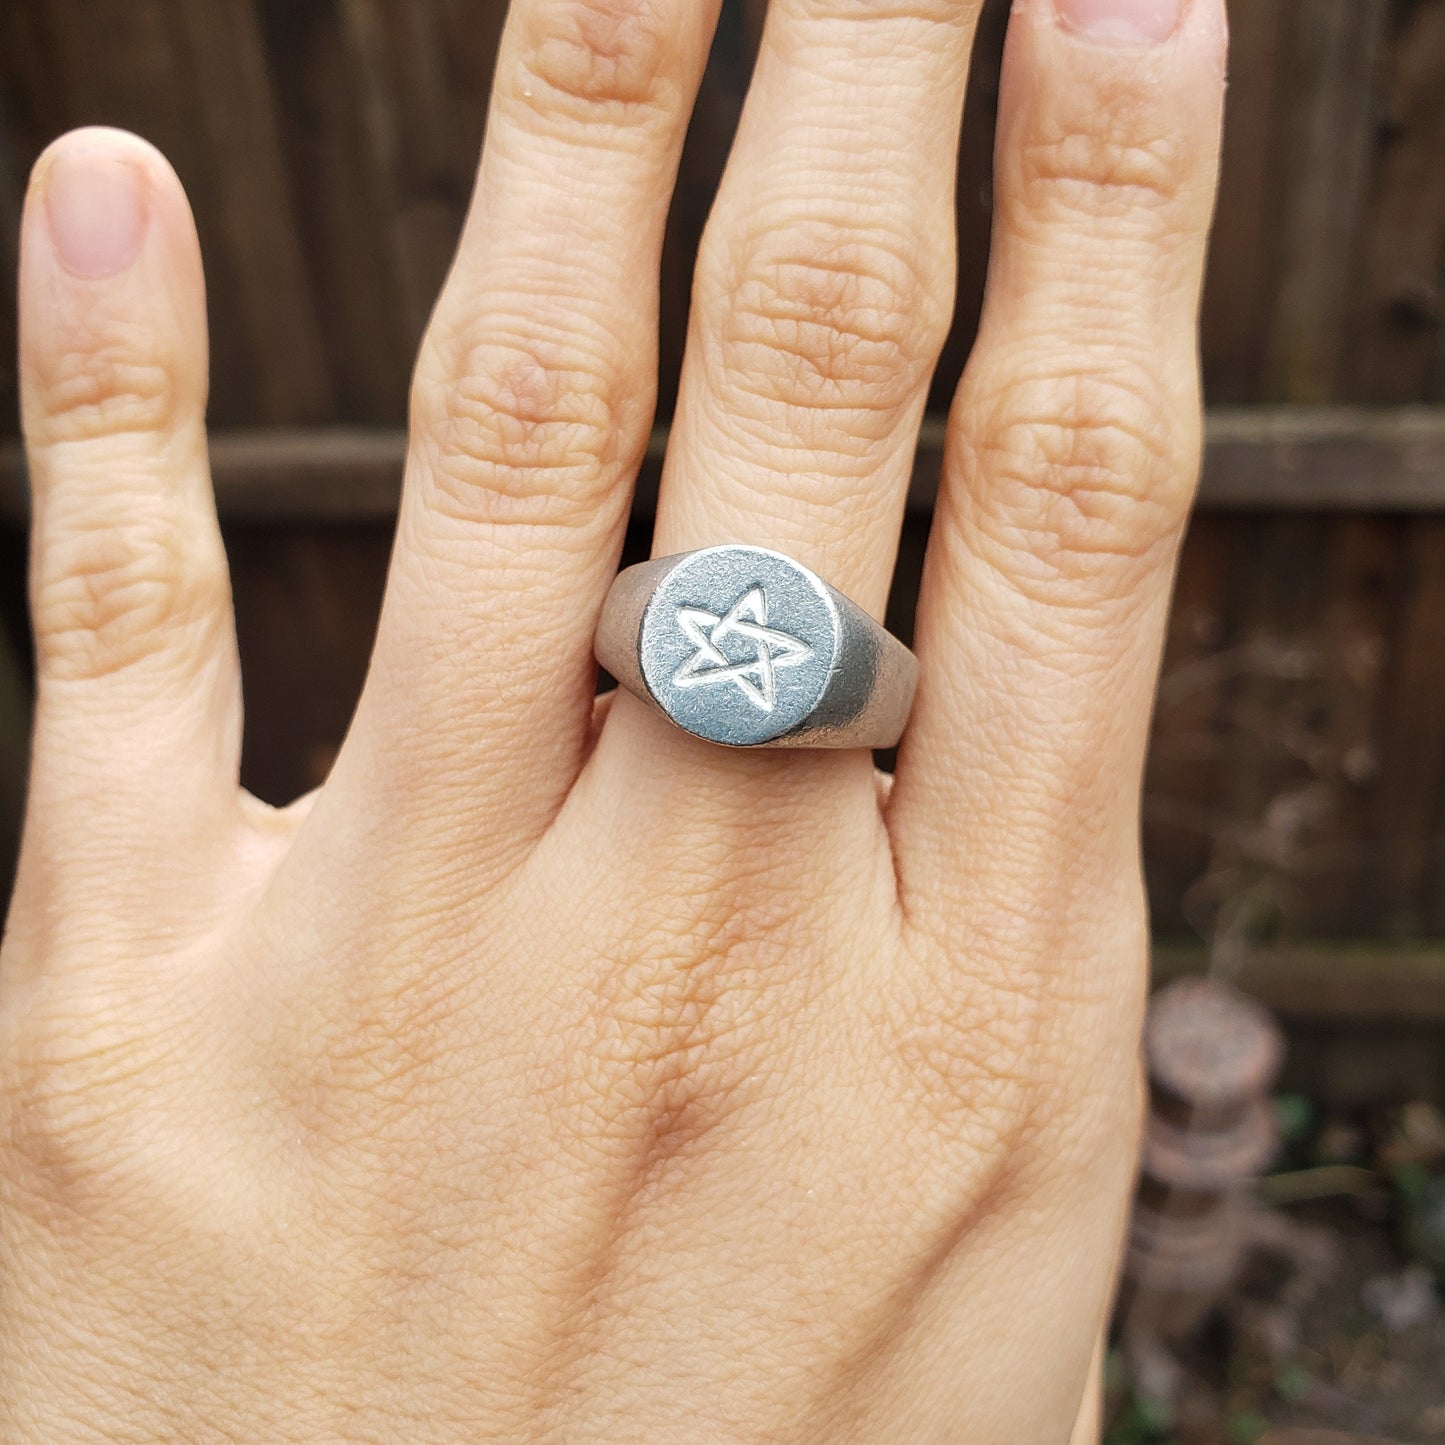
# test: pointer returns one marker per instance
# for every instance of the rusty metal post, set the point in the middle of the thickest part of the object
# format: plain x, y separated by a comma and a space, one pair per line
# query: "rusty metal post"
1212, 1057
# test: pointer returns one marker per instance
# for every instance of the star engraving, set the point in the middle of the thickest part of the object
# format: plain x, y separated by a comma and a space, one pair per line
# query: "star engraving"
747, 619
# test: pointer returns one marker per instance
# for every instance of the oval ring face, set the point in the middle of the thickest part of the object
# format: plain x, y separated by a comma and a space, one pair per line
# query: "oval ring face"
738, 643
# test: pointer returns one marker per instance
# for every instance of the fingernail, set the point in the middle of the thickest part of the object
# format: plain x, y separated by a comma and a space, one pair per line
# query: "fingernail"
1122, 22
95, 201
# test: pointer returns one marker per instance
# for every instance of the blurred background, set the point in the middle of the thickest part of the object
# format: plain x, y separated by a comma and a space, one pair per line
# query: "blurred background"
1294, 828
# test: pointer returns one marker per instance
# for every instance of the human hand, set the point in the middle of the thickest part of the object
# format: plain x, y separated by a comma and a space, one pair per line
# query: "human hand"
551, 1076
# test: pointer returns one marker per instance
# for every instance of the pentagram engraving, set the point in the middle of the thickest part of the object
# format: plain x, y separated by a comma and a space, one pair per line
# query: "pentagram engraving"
746, 620
737, 643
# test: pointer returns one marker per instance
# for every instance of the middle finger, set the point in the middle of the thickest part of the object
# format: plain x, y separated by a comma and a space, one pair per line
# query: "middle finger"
824, 290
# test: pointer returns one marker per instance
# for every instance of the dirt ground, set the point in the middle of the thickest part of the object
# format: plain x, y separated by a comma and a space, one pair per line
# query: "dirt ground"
1362, 1361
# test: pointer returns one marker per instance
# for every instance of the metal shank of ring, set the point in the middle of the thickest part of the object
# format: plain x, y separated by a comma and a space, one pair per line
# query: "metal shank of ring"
746, 647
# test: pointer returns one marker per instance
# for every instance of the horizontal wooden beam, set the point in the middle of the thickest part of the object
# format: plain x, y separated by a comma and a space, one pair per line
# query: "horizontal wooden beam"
1352, 984
1325, 459
1256, 459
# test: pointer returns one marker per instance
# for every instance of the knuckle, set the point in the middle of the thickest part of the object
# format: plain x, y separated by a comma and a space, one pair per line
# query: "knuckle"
1086, 1069
99, 1126
657, 1045
975, 1079
1080, 471
582, 57
821, 316
358, 1071
1105, 167
1091, 1115
515, 434
65, 1123
673, 1035
108, 597
1047, 1057
96, 390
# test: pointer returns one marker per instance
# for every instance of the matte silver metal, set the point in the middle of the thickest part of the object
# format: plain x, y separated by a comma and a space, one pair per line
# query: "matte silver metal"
746, 647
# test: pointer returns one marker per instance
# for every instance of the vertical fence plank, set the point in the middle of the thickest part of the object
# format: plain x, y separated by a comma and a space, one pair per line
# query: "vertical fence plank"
1313, 114
12, 193
273, 301
1398, 350
1409, 870
1338, 732
342, 208
1331, 83
30, 107
422, 72
1271, 799
1181, 809
1236, 290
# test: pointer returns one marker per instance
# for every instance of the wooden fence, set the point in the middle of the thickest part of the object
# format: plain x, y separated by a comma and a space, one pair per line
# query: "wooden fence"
1297, 783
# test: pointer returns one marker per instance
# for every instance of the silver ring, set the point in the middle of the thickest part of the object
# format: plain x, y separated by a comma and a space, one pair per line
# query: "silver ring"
746, 647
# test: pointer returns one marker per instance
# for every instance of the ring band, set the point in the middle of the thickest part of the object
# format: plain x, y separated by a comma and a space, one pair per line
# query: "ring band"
746, 647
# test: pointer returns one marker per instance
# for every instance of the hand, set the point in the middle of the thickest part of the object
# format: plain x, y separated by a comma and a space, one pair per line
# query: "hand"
556, 1076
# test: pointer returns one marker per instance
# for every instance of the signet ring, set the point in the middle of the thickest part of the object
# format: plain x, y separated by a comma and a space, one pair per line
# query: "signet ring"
746, 647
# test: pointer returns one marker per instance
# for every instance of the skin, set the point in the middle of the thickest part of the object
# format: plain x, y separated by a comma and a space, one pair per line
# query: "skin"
549, 1074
